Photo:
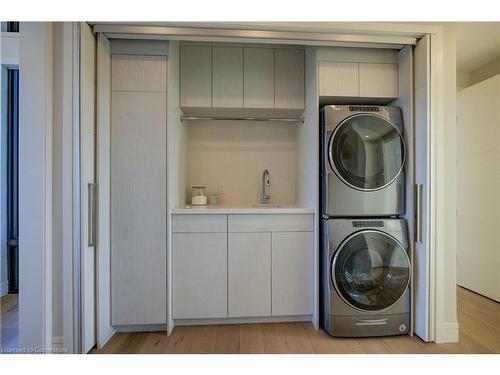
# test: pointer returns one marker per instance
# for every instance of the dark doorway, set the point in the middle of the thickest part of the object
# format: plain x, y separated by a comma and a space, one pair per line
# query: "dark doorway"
12, 179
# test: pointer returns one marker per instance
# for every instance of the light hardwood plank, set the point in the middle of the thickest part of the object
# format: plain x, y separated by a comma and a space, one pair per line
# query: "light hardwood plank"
476, 336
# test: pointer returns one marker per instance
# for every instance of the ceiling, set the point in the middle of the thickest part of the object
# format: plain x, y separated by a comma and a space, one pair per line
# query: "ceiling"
478, 43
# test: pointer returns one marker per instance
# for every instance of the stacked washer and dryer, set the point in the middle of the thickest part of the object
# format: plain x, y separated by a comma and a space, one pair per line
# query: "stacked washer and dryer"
365, 264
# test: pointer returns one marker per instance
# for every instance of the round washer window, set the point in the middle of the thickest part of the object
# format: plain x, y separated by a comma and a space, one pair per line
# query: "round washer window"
366, 152
371, 270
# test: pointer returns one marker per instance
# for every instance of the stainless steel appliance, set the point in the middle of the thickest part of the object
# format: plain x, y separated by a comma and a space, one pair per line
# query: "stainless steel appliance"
362, 161
365, 277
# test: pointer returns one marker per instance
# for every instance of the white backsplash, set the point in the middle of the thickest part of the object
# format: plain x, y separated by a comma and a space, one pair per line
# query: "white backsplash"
235, 153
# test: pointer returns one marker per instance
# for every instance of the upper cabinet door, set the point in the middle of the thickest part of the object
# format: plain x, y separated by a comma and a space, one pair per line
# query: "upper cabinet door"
338, 78
258, 78
195, 76
227, 82
289, 78
378, 80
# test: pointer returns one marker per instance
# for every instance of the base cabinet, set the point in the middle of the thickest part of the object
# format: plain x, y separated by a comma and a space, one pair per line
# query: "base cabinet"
200, 275
292, 270
249, 274
242, 266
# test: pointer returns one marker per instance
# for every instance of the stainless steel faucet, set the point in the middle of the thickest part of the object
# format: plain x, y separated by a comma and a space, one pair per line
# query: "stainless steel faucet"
266, 182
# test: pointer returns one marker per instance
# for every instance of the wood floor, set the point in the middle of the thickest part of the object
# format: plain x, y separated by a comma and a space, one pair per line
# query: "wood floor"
478, 317
9, 331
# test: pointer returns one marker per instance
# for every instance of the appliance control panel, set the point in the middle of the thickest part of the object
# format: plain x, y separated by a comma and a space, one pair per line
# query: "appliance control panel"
368, 224
364, 109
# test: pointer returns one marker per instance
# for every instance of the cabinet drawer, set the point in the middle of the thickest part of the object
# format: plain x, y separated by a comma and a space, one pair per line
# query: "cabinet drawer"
199, 223
270, 223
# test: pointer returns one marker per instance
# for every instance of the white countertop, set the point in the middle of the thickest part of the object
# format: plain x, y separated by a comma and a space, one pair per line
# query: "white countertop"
219, 209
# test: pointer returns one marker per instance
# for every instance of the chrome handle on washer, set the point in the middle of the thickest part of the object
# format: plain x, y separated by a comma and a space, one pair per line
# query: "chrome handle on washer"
91, 234
371, 322
418, 213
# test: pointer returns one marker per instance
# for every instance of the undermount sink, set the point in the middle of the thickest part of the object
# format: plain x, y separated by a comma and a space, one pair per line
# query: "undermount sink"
266, 205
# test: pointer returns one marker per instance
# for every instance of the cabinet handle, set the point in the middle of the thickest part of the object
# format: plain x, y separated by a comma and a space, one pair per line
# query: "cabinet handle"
418, 214
91, 240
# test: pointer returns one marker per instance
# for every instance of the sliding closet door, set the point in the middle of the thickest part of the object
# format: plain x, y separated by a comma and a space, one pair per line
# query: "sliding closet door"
422, 259
138, 189
103, 257
87, 159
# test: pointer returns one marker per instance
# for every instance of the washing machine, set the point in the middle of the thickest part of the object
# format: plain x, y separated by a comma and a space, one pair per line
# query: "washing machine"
362, 161
366, 278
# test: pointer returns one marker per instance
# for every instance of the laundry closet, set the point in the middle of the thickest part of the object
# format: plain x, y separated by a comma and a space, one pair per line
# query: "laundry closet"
174, 113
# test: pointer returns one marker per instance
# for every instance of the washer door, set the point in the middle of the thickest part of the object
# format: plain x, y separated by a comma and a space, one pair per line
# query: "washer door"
370, 270
366, 152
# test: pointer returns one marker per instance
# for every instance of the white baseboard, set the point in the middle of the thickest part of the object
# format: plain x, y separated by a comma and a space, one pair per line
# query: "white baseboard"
4, 288
260, 319
141, 328
448, 332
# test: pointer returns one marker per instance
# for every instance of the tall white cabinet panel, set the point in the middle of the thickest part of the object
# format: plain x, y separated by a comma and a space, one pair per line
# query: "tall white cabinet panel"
258, 78
227, 73
200, 275
378, 80
128, 73
338, 78
292, 273
249, 274
138, 201
195, 76
289, 78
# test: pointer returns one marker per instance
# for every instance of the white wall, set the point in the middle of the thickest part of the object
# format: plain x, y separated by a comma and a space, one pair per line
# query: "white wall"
35, 185
235, 153
478, 182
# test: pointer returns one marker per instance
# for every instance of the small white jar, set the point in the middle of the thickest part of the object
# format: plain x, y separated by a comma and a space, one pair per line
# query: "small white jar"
198, 196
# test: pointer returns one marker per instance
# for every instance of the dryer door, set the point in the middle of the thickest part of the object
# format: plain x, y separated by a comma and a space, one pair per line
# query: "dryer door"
366, 152
370, 270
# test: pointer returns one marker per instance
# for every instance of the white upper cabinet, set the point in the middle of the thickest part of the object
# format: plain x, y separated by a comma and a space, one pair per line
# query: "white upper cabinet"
338, 78
195, 76
289, 75
227, 73
252, 78
258, 78
378, 80
355, 73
